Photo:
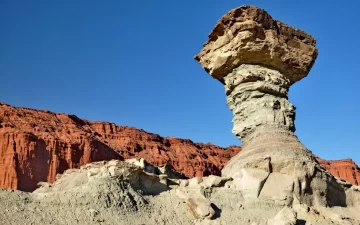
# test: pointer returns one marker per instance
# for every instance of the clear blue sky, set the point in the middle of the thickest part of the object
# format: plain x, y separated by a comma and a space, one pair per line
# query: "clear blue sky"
131, 63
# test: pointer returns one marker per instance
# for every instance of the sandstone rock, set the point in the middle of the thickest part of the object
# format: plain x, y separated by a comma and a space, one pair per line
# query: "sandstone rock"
215, 181
122, 185
249, 35
273, 162
123, 198
345, 169
258, 59
35, 145
140, 163
286, 216
250, 182
200, 207
195, 182
166, 170
278, 187
163, 178
353, 196
45, 144
183, 183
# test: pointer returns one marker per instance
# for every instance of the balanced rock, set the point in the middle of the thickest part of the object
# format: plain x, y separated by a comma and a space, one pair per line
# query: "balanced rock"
257, 59
249, 35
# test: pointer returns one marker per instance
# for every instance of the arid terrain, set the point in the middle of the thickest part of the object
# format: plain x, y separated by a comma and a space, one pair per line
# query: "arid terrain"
59, 169
35, 145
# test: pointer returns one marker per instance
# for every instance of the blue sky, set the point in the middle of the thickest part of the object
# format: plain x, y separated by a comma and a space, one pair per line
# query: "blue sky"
131, 63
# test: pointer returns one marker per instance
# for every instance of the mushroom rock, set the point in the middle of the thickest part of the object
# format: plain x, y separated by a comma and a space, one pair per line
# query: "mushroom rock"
257, 59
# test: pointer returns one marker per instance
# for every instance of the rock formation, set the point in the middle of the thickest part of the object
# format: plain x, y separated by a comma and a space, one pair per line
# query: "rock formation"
274, 180
345, 169
258, 59
35, 145
70, 142
118, 192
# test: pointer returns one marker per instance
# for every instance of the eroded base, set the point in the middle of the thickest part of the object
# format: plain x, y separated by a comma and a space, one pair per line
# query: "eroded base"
119, 193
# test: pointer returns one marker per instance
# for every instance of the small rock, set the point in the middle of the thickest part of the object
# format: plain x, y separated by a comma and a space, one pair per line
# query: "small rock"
193, 182
163, 178
183, 183
92, 172
93, 213
200, 207
286, 216
215, 181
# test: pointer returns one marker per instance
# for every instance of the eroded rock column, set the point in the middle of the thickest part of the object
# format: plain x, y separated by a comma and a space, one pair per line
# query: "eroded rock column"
264, 121
258, 98
258, 59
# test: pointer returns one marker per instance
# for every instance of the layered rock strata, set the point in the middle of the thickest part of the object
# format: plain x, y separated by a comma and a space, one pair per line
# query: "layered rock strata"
345, 169
258, 59
35, 145
118, 192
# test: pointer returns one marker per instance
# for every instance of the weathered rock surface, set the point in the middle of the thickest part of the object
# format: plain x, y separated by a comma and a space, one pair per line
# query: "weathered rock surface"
249, 35
273, 180
345, 169
250, 181
121, 192
113, 192
258, 59
287, 216
35, 145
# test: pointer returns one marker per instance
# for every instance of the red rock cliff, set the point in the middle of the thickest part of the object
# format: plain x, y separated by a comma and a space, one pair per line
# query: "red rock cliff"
345, 169
35, 145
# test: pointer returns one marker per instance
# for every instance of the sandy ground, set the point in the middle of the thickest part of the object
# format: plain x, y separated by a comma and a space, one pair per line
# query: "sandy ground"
130, 197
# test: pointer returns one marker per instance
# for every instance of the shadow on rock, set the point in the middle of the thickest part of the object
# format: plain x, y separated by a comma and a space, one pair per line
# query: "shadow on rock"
335, 194
217, 211
300, 222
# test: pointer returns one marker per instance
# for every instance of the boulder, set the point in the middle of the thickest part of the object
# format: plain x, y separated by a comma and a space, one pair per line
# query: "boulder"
287, 216
278, 187
215, 181
200, 207
250, 182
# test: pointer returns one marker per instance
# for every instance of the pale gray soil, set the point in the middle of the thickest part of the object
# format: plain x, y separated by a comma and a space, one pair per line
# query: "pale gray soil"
95, 195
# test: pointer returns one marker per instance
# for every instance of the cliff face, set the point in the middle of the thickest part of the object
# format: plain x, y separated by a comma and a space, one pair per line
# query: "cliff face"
35, 145
345, 169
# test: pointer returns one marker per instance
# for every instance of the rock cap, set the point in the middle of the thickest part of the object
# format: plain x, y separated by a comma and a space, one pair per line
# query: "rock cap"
249, 35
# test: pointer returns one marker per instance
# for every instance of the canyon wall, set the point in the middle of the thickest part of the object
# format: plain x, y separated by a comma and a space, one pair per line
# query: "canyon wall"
35, 145
345, 169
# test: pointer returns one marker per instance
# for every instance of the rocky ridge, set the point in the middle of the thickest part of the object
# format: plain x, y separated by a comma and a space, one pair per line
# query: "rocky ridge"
345, 169
127, 192
36, 145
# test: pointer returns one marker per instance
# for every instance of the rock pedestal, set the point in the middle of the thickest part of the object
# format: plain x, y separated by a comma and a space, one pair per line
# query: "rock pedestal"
258, 59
